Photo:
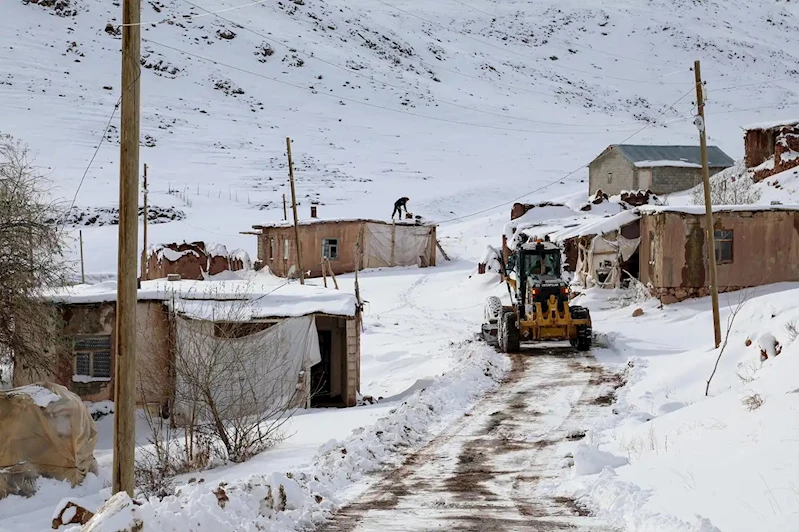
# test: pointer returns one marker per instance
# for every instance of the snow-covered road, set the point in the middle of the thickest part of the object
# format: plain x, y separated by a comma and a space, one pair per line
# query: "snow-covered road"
491, 469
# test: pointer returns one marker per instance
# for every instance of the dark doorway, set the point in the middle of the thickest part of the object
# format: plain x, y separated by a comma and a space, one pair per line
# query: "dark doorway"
320, 373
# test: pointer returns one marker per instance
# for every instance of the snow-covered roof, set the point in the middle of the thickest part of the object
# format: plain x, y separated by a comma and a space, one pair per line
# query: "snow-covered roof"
639, 154
678, 164
700, 209
599, 226
319, 221
771, 125
245, 296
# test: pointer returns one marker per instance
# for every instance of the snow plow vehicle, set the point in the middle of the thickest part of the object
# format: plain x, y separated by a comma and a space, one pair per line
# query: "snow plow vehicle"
540, 309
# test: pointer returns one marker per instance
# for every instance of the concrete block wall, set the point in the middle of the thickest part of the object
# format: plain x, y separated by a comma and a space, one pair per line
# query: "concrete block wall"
666, 180
353, 362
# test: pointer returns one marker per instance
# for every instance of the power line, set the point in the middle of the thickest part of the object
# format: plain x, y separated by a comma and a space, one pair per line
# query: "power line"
576, 45
404, 89
483, 211
508, 50
375, 106
190, 16
97, 150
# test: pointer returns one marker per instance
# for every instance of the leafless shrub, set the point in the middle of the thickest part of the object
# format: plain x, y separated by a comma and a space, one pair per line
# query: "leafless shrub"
732, 186
792, 329
742, 299
753, 401
31, 259
747, 373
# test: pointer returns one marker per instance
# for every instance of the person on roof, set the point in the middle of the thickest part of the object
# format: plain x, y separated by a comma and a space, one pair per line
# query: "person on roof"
398, 206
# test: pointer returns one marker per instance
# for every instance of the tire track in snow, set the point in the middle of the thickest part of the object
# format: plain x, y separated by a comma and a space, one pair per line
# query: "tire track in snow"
485, 473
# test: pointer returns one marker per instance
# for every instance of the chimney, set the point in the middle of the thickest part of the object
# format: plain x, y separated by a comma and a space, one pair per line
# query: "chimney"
313, 211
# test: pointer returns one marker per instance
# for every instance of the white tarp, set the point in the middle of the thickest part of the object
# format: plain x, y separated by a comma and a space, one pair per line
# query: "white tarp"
387, 246
264, 371
603, 258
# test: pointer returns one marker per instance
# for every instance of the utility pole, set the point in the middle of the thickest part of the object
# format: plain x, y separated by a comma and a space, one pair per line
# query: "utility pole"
711, 240
144, 243
125, 353
294, 208
82, 266
285, 212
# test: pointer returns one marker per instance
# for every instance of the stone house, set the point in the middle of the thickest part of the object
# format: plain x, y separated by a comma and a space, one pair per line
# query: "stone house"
755, 245
326, 351
348, 244
659, 169
771, 148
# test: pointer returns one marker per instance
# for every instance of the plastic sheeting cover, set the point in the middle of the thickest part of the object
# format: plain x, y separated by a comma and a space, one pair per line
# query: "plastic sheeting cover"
47, 431
248, 375
409, 243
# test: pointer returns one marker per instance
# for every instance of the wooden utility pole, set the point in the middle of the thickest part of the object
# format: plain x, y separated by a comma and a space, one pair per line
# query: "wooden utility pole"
294, 208
711, 240
125, 353
285, 212
82, 265
144, 240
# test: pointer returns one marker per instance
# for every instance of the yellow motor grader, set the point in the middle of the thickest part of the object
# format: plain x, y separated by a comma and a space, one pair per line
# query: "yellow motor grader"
540, 309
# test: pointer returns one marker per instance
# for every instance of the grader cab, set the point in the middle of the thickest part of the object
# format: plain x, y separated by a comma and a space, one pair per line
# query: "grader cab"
540, 309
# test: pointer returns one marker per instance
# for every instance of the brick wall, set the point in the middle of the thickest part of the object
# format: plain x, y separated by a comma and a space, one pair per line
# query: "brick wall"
615, 164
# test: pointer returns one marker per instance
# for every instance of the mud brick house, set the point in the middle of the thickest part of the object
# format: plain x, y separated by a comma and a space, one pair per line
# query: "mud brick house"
314, 331
771, 148
347, 244
659, 169
194, 260
754, 246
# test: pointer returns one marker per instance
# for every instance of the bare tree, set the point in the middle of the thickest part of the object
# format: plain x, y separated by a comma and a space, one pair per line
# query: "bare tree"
732, 186
227, 384
31, 259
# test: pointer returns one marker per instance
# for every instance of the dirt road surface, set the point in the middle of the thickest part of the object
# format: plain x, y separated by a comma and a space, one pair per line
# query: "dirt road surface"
485, 473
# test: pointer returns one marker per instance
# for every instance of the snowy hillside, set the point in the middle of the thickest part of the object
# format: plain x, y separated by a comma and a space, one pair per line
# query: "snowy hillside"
459, 105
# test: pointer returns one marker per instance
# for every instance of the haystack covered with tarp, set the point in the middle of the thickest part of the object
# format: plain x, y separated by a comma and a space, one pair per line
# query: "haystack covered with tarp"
46, 431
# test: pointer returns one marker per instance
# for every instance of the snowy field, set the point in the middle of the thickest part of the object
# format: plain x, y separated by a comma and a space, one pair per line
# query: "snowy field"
464, 107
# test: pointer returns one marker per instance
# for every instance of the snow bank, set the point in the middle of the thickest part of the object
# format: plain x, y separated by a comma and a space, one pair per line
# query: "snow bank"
723, 462
590, 460
283, 502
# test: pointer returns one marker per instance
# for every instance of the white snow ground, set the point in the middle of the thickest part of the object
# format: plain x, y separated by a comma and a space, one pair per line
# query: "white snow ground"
461, 106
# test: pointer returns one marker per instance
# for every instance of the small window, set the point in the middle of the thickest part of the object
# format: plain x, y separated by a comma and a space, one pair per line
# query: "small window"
286, 244
330, 248
93, 356
271, 249
610, 177
723, 246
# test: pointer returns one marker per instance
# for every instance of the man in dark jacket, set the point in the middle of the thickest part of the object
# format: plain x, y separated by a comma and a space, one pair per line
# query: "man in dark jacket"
398, 206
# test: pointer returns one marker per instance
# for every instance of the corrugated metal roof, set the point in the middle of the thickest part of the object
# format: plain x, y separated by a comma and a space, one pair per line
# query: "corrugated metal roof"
690, 154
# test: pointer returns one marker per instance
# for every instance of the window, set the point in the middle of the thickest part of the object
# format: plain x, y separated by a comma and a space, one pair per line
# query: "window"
271, 249
93, 356
330, 248
286, 245
723, 246
610, 177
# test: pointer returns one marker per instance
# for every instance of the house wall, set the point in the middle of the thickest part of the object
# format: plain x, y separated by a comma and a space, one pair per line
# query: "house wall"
191, 265
311, 237
668, 179
100, 319
673, 251
758, 146
610, 162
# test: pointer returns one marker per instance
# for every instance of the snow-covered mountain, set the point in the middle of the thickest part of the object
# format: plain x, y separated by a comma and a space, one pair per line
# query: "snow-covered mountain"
458, 105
